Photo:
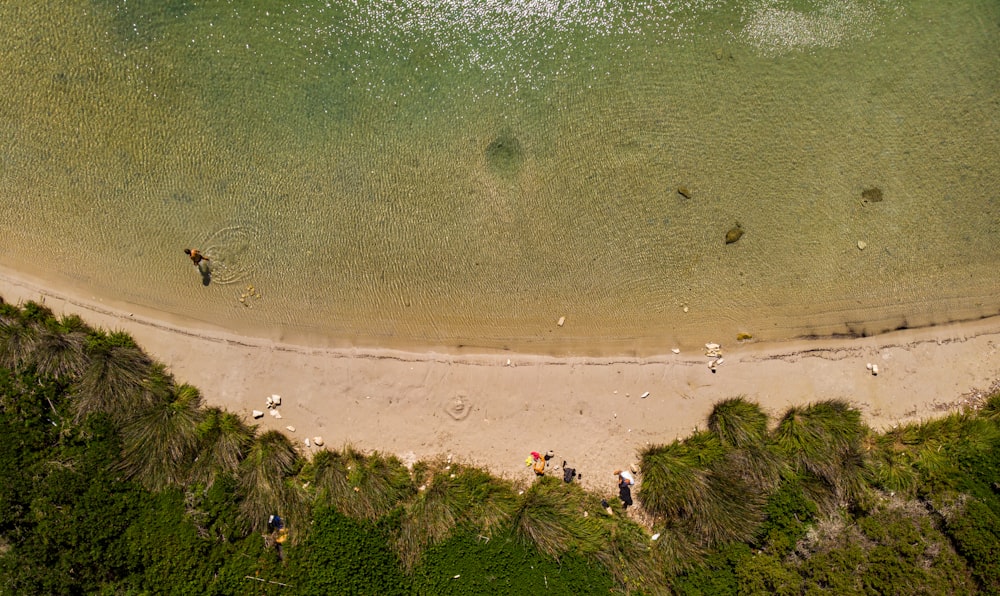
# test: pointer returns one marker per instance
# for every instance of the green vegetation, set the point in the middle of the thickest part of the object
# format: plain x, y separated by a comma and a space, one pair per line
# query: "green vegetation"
115, 479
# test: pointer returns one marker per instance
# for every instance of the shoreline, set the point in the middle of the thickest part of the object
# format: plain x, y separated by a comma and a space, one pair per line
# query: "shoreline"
588, 410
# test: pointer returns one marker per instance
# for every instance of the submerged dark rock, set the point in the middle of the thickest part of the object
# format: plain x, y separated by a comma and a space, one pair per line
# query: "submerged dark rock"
734, 233
872, 195
504, 154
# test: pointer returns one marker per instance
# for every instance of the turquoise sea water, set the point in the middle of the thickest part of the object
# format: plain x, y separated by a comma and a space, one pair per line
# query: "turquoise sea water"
451, 173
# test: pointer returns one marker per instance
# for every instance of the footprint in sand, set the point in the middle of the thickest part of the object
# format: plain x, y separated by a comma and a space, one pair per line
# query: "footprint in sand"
458, 408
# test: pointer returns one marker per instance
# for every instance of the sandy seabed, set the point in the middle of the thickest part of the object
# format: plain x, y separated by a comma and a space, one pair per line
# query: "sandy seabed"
492, 410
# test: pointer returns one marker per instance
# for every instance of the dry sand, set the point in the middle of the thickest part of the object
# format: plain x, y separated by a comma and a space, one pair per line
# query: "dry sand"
590, 411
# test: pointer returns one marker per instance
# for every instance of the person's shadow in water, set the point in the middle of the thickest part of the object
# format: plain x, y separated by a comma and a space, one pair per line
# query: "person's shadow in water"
206, 273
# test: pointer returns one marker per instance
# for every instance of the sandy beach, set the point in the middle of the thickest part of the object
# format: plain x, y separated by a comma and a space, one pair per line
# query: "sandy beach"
493, 409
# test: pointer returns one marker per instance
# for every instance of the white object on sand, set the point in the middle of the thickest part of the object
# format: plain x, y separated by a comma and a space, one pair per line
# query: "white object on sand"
276, 399
318, 441
291, 429
868, 366
277, 414
875, 370
644, 395
308, 444
862, 245
561, 321
258, 414
676, 351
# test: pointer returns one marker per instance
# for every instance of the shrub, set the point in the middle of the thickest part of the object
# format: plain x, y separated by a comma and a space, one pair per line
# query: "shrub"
345, 556
470, 564
738, 422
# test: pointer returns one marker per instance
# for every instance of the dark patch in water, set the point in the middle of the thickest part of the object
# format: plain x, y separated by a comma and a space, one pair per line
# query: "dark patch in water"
504, 155
182, 198
872, 195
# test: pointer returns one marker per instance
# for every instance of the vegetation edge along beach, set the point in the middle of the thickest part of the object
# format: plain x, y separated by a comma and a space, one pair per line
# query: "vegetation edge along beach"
117, 479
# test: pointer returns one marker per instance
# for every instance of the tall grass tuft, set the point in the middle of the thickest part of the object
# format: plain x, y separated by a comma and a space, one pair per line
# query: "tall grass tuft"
819, 440
114, 379
758, 466
675, 476
17, 338
738, 422
892, 470
550, 517
627, 551
223, 441
361, 486
159, 445
991, 407
59, 348
675, 550
264, 484
452, 497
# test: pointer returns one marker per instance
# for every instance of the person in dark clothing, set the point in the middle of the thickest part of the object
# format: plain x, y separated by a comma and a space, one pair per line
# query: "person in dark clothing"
625, 491
569, 473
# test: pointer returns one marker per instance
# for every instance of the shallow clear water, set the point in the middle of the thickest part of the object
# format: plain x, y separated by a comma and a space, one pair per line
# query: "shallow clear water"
466, 172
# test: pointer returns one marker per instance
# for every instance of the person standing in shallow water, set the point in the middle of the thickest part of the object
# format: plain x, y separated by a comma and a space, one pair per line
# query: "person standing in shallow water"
196, 256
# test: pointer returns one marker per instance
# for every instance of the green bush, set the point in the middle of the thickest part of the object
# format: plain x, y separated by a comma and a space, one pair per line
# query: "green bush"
975, 532
342, 555
788, 516
504, 565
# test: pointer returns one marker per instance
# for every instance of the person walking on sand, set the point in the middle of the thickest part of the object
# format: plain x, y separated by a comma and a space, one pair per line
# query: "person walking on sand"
196, 256
625, 482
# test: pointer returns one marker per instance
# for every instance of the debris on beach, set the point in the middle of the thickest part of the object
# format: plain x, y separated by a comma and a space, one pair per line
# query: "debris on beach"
644, 395
290, 428
862, 245
258, 414
318, 441
561, 322
308, 444
684, 192
713, 351
742, 336
874, 370
676, 351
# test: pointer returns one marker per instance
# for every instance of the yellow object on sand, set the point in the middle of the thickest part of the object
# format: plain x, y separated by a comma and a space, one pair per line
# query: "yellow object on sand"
527, 461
